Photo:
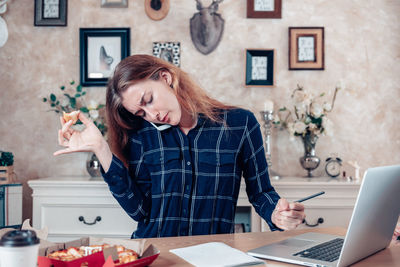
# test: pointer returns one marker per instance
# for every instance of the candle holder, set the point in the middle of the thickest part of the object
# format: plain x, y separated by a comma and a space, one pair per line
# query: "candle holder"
268, 117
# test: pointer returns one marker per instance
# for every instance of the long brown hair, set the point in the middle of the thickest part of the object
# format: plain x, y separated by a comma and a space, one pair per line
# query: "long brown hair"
133, 69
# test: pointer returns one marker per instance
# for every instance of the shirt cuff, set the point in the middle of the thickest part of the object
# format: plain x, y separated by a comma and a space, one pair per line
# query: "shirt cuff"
271, 225
116, 173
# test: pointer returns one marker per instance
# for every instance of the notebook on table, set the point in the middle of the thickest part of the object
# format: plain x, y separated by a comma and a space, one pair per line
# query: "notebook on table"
371, 227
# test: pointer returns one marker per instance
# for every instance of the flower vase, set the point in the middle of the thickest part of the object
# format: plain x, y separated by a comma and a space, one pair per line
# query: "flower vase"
309, 161
93, 165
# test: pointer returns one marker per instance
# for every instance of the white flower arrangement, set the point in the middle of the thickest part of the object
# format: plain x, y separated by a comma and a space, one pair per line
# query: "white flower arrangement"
309, 114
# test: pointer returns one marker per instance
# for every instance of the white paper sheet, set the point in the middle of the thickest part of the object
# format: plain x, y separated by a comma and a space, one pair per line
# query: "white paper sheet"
215, 254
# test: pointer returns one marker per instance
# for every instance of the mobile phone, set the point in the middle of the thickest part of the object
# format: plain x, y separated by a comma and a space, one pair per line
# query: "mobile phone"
160, 127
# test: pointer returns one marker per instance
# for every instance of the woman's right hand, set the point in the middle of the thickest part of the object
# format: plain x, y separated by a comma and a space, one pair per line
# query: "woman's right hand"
89, 140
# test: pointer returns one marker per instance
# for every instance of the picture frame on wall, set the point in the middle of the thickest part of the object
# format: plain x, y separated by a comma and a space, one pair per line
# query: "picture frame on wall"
169, 51
264, 9
101, 49
260, 67
114, 3
306, 48
50, 13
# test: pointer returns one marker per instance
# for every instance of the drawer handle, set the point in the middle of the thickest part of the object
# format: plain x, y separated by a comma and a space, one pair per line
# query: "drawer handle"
319, 221
81, 219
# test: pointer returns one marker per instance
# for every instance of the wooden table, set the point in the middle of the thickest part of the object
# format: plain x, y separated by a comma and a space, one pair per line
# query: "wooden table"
246, 241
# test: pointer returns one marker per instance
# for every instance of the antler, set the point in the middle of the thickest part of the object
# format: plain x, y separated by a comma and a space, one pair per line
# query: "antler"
213, 6
199, 5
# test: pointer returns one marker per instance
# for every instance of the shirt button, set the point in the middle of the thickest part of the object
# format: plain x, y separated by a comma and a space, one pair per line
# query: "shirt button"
188, 163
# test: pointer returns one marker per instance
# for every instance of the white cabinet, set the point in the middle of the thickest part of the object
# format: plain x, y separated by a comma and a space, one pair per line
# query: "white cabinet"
334, 207
73, 207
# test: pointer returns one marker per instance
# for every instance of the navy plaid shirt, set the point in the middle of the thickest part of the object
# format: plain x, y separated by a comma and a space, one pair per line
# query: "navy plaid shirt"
180, 185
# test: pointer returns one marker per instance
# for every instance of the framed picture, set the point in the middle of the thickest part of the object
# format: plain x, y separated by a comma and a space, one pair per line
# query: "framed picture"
114, 3
260, 67
50, 13
306, 48
101, 49
169, 51
264, 9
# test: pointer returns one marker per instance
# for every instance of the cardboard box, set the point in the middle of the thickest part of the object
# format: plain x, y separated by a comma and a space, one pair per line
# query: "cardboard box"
103, 258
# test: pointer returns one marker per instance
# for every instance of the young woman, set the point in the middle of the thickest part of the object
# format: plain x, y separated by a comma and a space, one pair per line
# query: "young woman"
175, 156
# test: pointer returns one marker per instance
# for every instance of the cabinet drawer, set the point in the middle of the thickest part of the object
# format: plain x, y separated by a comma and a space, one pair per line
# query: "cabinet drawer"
330, 216
65, 220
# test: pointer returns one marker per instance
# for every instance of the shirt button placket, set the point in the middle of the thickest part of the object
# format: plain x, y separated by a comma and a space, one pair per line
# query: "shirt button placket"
185, 214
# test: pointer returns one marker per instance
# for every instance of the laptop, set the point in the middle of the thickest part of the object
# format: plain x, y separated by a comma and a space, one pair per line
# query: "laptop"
370, 230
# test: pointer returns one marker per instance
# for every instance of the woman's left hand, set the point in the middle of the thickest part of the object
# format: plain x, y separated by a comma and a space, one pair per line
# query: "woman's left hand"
288, 216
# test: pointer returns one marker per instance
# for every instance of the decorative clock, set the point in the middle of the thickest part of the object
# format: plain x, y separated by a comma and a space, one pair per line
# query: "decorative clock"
333, 166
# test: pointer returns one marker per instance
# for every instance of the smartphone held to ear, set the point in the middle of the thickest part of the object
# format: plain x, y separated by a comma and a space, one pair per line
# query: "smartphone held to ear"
160, 127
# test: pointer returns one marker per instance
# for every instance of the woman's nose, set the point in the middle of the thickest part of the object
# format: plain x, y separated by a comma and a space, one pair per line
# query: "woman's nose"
151, 114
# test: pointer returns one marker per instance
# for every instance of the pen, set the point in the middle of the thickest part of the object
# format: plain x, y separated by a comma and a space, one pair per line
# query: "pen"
309, 197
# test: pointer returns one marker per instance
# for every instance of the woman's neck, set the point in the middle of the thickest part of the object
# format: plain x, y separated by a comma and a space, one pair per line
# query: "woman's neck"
187, 122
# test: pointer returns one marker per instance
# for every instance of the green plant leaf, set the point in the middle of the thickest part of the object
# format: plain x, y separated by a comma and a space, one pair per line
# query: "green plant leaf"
44, 99
52, 105
101, 106
317, 121
72, 82
77, 95
53, 97
6, 159
62, 87
72, 101
79, 88
69, 97
84, 109
83, 93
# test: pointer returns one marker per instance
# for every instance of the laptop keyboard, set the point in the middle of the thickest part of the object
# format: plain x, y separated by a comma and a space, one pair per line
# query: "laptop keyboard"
328, 251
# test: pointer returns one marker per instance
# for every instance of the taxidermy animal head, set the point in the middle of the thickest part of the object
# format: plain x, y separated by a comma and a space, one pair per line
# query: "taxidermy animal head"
206, 27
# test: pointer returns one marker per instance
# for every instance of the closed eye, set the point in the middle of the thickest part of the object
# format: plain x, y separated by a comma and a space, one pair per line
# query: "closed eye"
150, 100
142, 113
